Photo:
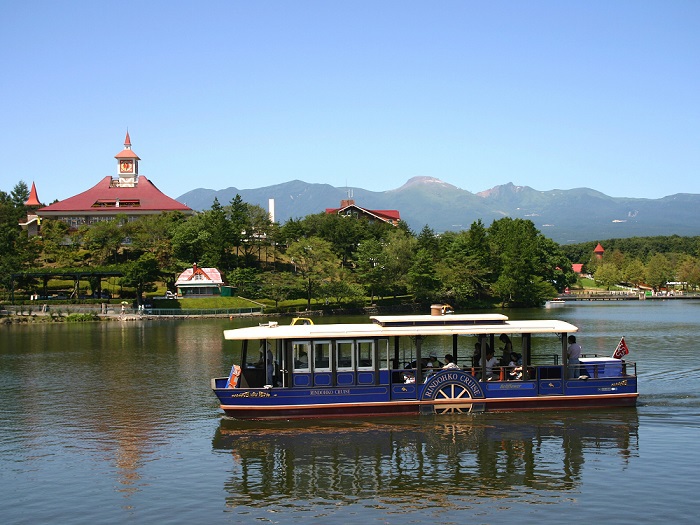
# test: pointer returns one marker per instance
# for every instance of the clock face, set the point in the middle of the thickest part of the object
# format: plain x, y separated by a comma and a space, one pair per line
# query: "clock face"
126, 166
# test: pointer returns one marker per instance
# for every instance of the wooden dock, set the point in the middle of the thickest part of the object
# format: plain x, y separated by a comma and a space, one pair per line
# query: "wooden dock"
622, 296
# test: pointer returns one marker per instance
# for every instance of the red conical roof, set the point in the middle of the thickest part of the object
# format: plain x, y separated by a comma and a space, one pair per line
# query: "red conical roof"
599, 249
33, 200
127, 152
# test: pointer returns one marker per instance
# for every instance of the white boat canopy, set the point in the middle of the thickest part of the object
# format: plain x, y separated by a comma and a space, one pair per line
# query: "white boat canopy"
404, 325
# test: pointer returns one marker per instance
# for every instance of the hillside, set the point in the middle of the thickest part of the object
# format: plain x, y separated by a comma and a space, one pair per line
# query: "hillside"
566, 216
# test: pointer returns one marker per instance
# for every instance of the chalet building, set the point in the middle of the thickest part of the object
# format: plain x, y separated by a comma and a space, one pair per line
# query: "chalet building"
127, 194
199, 282
348, 208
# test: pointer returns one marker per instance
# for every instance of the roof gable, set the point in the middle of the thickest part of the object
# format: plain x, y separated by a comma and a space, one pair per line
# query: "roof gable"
143, 196
200, 277
391, 216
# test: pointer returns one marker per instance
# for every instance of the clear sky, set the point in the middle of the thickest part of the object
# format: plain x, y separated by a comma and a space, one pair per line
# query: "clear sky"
547, 94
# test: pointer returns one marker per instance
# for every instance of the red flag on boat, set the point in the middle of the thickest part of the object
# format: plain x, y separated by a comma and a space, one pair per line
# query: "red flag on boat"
621, 350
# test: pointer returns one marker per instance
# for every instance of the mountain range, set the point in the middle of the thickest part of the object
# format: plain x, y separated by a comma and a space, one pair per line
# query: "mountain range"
565, 216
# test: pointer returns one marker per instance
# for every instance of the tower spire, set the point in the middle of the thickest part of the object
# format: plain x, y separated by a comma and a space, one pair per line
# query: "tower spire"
33, 199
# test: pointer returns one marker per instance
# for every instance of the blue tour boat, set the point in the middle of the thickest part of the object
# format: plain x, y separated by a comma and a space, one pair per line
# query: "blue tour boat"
389, 366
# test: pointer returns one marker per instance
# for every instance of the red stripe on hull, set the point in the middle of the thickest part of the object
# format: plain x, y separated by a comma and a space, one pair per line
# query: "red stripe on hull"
395, 408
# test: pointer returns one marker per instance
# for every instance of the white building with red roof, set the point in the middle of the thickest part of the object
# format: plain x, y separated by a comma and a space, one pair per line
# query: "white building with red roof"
128, 193
199, 282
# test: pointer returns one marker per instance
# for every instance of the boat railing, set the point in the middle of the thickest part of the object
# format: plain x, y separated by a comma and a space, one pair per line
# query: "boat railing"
589, 368
600, 367
498, 373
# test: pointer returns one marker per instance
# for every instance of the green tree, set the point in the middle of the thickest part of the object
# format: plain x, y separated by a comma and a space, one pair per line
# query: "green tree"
247, 281
190, 241
658, 271
237, 214
423, 281
516, 248
141, 274
371, 260
104, 239
555, 267
399, 251
461, 269
280, 286
218, 249
259, 229
314, 261
688, 271
427, 240
633, 272
19, 195
342, 288
56, 242
13, 245
607, 274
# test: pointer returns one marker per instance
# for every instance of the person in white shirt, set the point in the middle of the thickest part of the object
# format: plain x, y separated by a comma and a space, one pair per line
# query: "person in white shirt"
491, 361
450, 362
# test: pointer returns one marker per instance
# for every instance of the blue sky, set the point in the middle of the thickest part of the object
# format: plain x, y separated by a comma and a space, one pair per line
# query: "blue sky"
546, 94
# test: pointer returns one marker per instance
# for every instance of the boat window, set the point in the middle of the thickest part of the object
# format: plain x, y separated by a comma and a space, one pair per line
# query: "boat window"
344, 354
322, 355
383, 353
300, 353
365, 354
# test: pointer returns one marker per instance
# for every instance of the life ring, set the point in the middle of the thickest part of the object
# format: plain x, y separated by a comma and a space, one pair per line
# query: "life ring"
233, 378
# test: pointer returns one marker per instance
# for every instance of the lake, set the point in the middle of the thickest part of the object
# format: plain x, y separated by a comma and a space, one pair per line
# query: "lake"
115, 422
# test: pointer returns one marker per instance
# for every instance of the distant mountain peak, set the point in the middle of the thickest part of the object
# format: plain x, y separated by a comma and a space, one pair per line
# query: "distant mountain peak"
502, 189
422, 181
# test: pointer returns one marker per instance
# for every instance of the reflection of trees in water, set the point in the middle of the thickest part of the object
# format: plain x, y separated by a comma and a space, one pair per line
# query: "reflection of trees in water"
422, 461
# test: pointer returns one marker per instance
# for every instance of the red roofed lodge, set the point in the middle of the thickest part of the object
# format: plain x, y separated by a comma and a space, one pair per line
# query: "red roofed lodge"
348, 208
127, 193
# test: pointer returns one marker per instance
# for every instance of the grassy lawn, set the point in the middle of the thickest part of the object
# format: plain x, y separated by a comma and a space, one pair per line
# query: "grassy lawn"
589, 284
205, 303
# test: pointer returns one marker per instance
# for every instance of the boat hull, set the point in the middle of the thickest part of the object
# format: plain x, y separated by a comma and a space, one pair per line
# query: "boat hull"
455, 392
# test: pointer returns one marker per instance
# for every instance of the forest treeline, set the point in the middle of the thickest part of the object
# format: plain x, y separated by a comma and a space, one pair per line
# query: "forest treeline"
338, 259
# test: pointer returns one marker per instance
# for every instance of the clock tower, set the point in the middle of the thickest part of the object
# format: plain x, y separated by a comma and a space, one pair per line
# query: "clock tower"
128, 165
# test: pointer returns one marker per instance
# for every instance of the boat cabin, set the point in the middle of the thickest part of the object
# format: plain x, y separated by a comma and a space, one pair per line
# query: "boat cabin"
397, 363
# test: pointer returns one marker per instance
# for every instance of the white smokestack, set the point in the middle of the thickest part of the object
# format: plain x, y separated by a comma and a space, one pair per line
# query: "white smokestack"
271, 209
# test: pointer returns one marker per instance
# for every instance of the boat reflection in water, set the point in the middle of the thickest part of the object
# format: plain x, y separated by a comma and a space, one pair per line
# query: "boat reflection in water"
447, 461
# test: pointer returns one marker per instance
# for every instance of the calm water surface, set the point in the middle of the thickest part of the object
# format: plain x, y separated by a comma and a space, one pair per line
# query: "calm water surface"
115, 423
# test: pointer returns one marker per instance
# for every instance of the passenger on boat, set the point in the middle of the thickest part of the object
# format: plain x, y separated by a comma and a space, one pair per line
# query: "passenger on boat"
507, 349
268, 361
491, 361
302, 361
449, 362
414, 364
573, 352
408, 377
514, 365
433, 361
476, 356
